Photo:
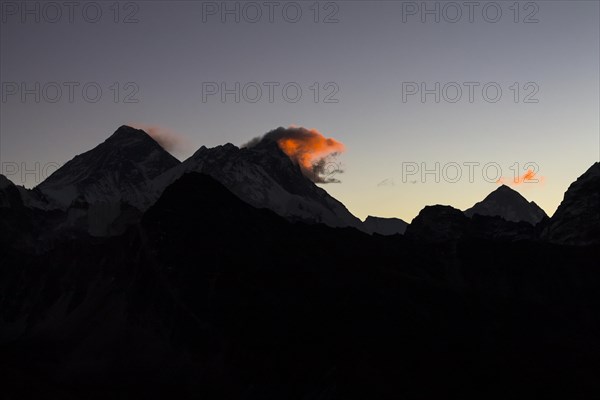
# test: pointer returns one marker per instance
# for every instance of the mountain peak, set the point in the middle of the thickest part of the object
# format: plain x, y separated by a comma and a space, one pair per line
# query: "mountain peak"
263, 176
125, 130
509, 204
506, 191
505, 188
120, 168
125, 135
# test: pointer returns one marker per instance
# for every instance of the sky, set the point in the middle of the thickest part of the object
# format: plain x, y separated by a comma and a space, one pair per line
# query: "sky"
433, 101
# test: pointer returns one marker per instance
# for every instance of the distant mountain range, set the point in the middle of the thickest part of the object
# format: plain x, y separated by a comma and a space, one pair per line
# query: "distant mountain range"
233, 276
131, 168
109, 187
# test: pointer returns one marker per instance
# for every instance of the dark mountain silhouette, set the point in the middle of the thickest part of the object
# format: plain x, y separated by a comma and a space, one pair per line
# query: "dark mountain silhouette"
9, 194
384, 226
204, 295
12, 195
509, 204
15, 220
210, 208
438, 224
577, 219
444, 224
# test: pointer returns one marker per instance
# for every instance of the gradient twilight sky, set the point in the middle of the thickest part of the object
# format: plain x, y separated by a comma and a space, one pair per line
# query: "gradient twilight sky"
176, 47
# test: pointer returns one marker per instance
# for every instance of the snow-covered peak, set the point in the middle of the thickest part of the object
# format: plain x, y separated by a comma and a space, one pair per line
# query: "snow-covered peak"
264, 177
119, 169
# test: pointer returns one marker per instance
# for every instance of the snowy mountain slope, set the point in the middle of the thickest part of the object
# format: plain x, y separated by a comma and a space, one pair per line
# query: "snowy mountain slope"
264, 177
119, 169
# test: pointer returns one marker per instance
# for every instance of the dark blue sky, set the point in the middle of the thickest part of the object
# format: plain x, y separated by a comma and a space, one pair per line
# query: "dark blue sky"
361, 64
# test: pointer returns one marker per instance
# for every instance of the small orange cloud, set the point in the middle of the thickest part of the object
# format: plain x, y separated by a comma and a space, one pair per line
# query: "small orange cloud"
528, 177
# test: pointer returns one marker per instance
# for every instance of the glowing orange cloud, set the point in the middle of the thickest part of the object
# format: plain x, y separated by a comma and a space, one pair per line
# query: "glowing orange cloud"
528, 177
308, 148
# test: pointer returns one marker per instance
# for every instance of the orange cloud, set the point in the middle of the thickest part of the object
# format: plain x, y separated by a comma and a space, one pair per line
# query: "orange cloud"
308, 148
528, 177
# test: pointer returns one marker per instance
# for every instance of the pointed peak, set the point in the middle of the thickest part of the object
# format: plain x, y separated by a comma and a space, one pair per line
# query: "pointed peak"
505, 191
125, 130
121, 167
126, 134
509, 204
505, 188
